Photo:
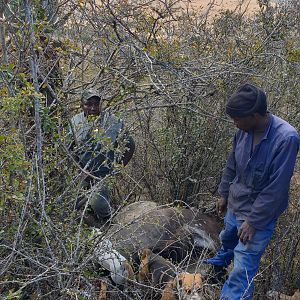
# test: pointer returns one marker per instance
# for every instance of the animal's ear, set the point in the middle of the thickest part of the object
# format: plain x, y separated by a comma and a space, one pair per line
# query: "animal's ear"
129, 270
144, 273
168, 292
145, 253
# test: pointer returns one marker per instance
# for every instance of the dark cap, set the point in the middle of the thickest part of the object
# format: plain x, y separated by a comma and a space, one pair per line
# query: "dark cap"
88, 94
247, 100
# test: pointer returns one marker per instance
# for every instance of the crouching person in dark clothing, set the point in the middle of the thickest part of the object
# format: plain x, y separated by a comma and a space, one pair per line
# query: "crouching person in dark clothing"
254, 187
100, 144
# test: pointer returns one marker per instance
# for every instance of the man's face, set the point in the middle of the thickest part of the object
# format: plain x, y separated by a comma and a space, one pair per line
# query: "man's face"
247, 123
92, 107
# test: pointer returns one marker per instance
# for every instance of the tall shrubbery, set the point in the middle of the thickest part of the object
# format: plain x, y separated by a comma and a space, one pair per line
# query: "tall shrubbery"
168, 70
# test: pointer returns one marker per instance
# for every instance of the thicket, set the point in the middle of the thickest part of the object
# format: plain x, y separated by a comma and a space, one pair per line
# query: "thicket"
167, 69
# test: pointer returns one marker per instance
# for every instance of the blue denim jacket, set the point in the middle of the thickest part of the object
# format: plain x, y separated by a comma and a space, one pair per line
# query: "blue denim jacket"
257, 184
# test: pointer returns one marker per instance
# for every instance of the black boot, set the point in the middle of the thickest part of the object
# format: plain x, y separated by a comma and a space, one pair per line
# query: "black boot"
92, 220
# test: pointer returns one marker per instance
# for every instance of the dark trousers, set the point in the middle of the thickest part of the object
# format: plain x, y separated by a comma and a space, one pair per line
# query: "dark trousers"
97, 196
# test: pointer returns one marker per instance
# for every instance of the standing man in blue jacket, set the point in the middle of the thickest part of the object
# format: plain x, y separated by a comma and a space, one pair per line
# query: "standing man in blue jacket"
254, 187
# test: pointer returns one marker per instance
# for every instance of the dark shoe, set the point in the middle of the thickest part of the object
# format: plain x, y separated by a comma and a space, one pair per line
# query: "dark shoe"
80, 202
91, 220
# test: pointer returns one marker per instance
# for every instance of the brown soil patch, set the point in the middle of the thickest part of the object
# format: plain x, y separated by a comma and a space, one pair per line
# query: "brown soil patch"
249, 6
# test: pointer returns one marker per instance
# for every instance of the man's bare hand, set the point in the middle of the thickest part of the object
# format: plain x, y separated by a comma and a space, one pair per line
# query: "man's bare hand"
246, 232
221, 206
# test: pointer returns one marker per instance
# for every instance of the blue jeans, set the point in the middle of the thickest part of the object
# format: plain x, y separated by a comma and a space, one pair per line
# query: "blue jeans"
239, 284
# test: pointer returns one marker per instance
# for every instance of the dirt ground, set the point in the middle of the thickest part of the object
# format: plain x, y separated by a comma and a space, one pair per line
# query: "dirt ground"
248, 5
